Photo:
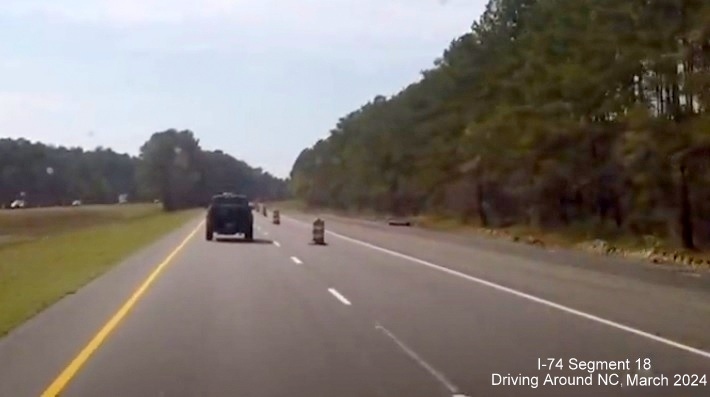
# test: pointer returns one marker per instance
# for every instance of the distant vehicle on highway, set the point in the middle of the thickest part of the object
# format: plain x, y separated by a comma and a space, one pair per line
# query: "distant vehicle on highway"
17, 204
229, 214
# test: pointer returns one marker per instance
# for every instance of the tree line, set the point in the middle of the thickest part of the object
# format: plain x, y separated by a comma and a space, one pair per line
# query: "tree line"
550, 113
171, 168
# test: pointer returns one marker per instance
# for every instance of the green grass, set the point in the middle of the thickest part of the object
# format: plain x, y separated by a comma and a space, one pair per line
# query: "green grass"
31, 224
60, 257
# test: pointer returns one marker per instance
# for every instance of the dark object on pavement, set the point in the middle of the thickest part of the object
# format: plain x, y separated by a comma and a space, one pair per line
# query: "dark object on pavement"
229, 214
399, 222
319, 232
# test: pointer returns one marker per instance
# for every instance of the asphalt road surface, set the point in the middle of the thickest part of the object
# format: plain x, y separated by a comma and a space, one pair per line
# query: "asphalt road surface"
378, 311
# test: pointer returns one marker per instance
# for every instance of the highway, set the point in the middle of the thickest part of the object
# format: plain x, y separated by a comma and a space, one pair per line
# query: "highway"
378, 311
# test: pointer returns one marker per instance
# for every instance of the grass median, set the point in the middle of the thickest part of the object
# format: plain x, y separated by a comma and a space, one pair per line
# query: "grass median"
50, 253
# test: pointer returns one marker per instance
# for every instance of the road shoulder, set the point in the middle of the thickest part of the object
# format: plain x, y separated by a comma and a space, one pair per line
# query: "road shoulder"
58, 333
661, 303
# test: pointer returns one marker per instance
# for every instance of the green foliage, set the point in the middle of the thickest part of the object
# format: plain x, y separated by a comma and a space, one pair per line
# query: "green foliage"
97, 176
171, 167
548, 112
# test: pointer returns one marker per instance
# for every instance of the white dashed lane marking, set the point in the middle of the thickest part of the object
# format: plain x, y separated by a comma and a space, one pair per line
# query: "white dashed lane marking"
340, 297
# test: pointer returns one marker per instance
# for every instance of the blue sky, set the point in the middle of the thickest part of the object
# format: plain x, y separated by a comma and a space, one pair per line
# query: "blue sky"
259, 79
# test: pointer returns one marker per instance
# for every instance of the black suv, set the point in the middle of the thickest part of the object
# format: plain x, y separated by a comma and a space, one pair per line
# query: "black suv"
230, 214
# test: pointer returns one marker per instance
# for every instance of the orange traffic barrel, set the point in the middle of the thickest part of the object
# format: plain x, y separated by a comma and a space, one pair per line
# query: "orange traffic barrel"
319, 232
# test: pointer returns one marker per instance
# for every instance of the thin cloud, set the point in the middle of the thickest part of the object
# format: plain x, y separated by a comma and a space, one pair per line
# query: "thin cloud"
398, 19
120, 12
16, 102
348, 30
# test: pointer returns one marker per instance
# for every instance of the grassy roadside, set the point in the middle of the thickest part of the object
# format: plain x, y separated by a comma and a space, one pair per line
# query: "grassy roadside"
18, 226
36, 273
604, 242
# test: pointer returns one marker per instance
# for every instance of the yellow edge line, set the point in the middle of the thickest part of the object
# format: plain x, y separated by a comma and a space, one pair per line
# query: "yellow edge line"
75, 365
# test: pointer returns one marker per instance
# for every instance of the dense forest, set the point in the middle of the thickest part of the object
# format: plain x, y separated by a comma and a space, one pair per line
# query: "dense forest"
171, 167
591, 114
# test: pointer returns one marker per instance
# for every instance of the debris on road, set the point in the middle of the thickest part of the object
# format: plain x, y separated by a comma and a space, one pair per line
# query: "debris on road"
319, 232
399, 222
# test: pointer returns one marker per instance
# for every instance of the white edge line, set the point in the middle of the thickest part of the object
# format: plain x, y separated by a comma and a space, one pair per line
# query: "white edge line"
529, 297
276, 243
340, 297
414, 356
293, 258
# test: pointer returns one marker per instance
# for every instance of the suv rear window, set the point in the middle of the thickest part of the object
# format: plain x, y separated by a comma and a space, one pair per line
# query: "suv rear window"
230, 200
